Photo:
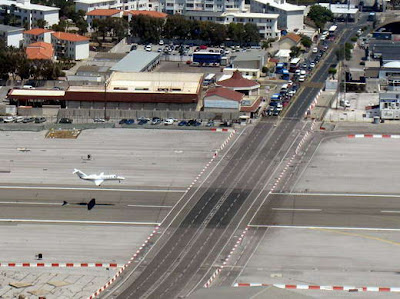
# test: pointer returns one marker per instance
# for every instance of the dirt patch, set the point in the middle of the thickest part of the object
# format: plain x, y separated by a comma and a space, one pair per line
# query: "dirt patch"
65, 134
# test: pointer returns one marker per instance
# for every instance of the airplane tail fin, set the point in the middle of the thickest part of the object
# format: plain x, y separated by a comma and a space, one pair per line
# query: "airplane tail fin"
79, 173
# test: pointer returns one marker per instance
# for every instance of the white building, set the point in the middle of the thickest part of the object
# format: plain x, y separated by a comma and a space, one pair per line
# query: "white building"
70, 45
389, 105
183, 6
28, 14
101, 14
89, 5
37, 35
267, 24
291, 17
390, 69
341, 12
12, 36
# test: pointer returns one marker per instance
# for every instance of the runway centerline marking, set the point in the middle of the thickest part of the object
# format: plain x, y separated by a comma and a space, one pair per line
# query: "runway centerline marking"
92, 189
390, 211
30, 203
79, 221
149, 206
302, 210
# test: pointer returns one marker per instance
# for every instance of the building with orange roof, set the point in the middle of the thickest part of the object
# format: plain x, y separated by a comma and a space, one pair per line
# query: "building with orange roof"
73, 46
101, 14
40, 50
149, 13
37, 35
289, 40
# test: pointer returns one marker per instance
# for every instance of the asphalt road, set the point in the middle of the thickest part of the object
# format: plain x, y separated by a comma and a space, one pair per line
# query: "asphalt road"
358, 211
192, 241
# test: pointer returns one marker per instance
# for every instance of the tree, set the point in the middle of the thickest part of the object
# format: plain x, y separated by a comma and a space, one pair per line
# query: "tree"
40, 23
332, 71
306, 41
148, 29
177, 27
267, 43
236, 32
294, 51
102, 26
320, 15
251, 33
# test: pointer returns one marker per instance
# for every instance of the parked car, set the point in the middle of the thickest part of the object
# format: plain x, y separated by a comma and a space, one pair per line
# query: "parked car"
123, 121
65, 120
9, 119
148, 48
169, 121
210, 123
142, 122
130, 121
19, 119
58, 88
193, 122
312, 65
302, 78
315, 50
28, 120
39, 120
182, 123
156, 121
99, 120
143, 118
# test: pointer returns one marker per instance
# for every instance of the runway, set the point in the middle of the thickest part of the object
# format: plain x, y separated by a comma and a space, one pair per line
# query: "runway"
58, 205
324, 210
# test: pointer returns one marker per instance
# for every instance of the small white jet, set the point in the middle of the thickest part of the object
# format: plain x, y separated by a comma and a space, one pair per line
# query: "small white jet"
98, 179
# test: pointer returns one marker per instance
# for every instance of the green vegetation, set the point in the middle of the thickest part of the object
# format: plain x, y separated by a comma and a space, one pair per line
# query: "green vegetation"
320, 15
306, 41
332, 71
267, 43
294, 52
15, 63
151, 30
344, 52
110, 27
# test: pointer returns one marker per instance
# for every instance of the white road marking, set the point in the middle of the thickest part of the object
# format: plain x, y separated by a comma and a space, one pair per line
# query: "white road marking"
148, 206
303, 210
390, 211
31, 203
326, 227
80, 221
92, 189
339, 194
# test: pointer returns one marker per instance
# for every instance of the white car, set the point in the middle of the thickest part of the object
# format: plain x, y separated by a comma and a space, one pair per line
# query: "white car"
148, 48
312, 65
302, 78
346, 104
323, 37
169, 121
303, 72
19, 119
9, 119
315, 50
161, 42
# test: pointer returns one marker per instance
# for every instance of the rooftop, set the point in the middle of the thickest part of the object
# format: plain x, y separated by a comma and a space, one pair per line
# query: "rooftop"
283, 6
392, 64
5, 28
225, 93
40, 50
389, 49
293, 36
135, 61
103, 12
149, 13
251, 15
27, 5
37, 31
340, 8
70, 36
237, 81
38, 92
248, 55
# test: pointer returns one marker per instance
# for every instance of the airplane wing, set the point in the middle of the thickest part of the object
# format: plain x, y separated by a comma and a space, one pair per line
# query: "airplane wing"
98, 182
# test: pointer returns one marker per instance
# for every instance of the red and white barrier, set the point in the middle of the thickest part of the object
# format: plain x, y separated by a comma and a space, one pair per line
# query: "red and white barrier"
373, 136
61, 265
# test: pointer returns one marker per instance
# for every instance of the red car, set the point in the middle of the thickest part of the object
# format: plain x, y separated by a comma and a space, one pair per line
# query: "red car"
203, 47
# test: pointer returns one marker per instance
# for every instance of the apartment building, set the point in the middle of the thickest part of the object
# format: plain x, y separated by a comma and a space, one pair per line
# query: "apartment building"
12, 36
89, 5
28, 14
291, 17
73, 46
267, 24
184, 6
37, 35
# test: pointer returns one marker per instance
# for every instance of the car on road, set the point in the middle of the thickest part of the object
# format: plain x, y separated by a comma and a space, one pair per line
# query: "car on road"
193, 122
28, 120
161, 42
315, 50
39, 120
65, 120
130, 121
169, 121
99, 120
148, 48
19, 119
312, 65
122, 121
143, 118
210, 123
182, 123
304, 65
302, 78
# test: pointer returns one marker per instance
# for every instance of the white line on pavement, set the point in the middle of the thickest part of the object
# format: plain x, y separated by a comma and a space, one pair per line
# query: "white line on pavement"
303, 210
91, 189
338, 194
325, 227
79, 221
30, 203
148, 206
390, 211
